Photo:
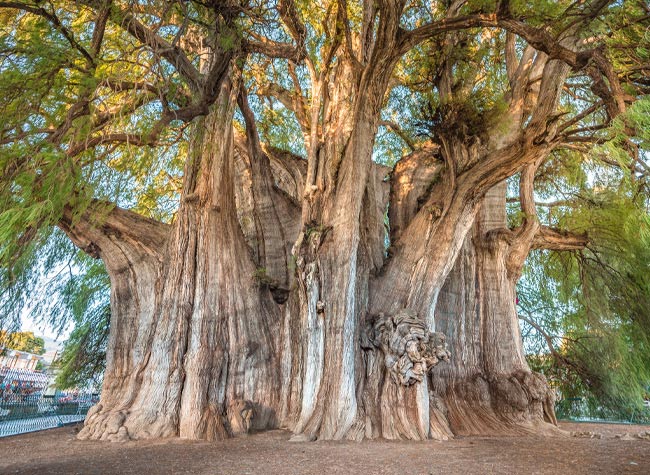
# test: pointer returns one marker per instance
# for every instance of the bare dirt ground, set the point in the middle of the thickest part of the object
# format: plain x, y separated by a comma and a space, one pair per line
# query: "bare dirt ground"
57, 451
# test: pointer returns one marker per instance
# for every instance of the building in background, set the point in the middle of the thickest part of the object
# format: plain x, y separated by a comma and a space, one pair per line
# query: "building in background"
15, 359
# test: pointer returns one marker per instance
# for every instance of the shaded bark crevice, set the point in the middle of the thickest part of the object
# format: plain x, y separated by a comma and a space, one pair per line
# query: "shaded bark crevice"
275, 214
412, 181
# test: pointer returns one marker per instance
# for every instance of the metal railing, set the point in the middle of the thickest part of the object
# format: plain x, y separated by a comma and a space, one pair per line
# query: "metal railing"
26, 405
580, 409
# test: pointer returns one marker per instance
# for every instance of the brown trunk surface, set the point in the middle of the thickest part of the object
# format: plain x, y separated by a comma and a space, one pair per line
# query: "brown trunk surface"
487, 388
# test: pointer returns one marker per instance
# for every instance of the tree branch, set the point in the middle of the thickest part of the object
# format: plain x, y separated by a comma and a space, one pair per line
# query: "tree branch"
272, 49
592, 61
293, 22
172, 53
54, 20
292, 100
559, 240
525, 234
400, 133
103, 225
549, 341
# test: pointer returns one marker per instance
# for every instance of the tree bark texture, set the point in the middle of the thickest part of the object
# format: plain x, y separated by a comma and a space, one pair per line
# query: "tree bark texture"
327, 294
488, 387
273, 300
248, 314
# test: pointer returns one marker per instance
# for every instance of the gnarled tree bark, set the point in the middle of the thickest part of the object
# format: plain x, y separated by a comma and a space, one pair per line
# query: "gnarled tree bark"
272, 299
488, 387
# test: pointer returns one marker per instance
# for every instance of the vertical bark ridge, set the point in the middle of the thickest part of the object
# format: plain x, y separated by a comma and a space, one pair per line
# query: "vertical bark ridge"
329, 275
503, 350
389, 409
333, 267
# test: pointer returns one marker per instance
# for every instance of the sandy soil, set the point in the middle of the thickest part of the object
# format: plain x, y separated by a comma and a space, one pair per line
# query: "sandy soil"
57, 451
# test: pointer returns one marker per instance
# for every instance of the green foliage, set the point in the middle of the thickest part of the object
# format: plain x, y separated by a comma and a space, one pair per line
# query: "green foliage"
66, 290
84, 299
83, 359
58, 98
592, 304
475, 99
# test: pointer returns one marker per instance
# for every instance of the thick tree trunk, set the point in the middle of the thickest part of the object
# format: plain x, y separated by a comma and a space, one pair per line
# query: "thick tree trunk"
132, 250
201, 332
340, 244
331, 295
487, 388
216, 355
272, 301
246, 314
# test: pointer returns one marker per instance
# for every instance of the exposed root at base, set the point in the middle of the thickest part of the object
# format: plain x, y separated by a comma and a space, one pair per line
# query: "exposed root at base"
517, 403
123, 425
104, 425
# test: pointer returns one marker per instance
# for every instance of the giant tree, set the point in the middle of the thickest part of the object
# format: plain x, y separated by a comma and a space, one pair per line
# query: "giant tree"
269, 265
